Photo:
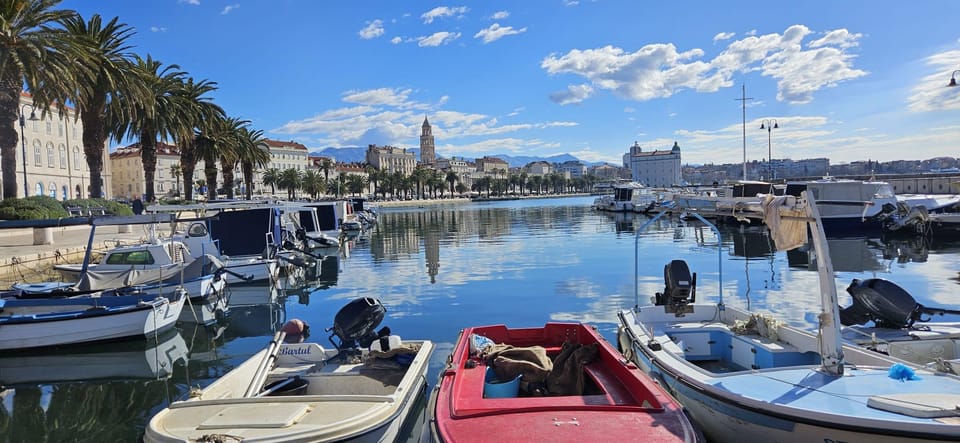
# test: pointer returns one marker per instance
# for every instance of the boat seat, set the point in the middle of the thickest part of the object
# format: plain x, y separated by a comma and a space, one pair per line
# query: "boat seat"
615, 392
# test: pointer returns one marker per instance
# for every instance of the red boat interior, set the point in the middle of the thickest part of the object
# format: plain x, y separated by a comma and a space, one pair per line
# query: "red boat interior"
610, 383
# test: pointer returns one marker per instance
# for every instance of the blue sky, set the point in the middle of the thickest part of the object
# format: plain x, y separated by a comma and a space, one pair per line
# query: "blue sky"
850, 80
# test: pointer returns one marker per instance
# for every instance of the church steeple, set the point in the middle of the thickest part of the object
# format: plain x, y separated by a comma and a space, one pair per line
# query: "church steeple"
427, 149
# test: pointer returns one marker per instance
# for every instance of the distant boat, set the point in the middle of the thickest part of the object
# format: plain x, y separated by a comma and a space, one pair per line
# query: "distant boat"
588, 392
627, 197
848, 206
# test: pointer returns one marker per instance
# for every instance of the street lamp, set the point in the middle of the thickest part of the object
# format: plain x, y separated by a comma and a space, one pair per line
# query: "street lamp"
769, 124
23, 123
953, 78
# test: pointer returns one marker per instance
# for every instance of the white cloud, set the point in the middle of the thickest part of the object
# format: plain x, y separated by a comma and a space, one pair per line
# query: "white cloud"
516, 111
158, 29
574, 94
228, 8
500, 15
571, 2
751, 32
659, 70
496, 32
723, 36
437, 38
443, 12
396, 40
190, 2
373, 29
381, 96
931, 92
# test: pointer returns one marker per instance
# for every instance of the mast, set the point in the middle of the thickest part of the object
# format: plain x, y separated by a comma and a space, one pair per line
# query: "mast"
831, 345
743, 100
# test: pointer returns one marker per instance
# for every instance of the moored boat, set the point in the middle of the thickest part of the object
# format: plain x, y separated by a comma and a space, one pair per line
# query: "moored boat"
745, 376
576, 388
303, 392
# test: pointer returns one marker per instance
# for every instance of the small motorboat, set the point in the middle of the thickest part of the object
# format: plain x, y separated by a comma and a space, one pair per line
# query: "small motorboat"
361, 389
563, 383
42, 322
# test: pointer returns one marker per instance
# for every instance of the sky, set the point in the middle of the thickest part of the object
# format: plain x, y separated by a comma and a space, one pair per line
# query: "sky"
849, 81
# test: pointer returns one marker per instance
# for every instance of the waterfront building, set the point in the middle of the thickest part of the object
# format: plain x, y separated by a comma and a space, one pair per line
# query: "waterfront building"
540, 168
128, 178
574, 168
428, 155
344, 170
391, 159
654, 168
56, 164
492, 165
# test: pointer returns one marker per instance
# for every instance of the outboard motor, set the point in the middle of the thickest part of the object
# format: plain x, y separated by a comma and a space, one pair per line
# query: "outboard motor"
354, 324
680, 288
887, 305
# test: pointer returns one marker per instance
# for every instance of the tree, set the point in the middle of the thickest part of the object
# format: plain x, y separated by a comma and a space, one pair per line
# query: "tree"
253, 155
313, 183
291, 180
176, 172
271, 177
451, 178
357, 183
161, 113
326, 165
37, 52
109, 82
204, 111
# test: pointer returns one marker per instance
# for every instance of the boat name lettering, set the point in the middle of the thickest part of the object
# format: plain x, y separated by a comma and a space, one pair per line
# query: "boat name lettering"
295, 351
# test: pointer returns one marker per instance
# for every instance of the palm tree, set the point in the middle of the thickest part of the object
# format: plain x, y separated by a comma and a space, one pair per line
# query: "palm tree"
229, 151
291, 180
161, 113
271, 177
253, 155
357, 183
109, 82
451, 178
176, 172
313, 183
194, 92
36, 53
522, 182
326, 165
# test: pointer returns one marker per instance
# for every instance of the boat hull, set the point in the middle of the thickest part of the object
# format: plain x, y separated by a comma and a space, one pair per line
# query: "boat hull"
38, 323
789, 401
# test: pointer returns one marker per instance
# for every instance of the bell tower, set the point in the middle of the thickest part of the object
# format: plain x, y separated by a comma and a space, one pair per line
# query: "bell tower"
428, 155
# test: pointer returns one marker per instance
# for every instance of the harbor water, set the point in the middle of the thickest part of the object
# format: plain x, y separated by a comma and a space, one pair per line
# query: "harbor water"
440, 268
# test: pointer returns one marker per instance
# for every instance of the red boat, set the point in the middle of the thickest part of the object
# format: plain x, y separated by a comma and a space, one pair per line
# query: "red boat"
586, 392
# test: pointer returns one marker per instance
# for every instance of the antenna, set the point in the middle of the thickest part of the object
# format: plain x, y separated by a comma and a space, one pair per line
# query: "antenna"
743, 100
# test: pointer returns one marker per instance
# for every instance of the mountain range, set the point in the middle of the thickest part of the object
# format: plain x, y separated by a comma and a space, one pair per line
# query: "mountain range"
358, 155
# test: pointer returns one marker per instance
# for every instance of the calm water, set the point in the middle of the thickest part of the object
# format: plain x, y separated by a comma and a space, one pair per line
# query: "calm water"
438, 269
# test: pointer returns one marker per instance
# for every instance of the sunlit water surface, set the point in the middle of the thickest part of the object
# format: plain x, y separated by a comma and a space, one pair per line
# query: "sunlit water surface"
438, 269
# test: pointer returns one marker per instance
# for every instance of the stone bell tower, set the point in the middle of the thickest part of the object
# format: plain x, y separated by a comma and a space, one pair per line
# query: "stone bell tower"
428, 155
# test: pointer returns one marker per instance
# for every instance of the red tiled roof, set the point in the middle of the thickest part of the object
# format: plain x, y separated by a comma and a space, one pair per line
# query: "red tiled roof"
288, 145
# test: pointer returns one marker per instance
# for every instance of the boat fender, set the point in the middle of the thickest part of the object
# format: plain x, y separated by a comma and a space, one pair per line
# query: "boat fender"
296, 331
386, 343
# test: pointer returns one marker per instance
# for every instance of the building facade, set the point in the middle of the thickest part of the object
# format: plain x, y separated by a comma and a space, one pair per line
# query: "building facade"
428, 154
55, 161
540, 168
391, 159
654, 168
492, 165
129, 181
574, 168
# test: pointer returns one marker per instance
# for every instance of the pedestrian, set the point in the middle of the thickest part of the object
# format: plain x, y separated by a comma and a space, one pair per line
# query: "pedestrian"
138, 206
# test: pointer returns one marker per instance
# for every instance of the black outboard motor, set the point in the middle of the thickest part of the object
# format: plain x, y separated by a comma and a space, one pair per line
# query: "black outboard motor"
354, 324
680, 288
886, 304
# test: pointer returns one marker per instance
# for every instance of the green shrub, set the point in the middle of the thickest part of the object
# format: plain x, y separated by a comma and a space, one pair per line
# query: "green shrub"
37, 207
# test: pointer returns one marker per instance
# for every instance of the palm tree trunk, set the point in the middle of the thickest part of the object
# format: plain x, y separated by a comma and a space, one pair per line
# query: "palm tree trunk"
188, 163
247, 169
210, 171
228, 168
148, 154
94, 138
9, 107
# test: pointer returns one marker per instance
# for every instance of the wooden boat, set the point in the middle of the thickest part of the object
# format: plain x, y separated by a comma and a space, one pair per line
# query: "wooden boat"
744, 376
303, 392
616, 399
42, 322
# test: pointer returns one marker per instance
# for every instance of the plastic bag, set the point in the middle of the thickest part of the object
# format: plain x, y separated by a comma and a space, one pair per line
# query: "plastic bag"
478, 343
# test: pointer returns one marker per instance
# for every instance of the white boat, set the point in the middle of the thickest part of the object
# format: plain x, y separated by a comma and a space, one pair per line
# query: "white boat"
238, 269
150, 359
848, 205
628, 197
303, 392
744, 376
738, 199
43, 322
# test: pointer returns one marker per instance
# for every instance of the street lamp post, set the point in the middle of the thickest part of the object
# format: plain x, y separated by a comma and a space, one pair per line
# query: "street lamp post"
23, 137
769, 124
953, 78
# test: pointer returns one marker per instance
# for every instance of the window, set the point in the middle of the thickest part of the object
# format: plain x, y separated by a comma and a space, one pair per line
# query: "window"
65, 192
50, 155
130, 258
36, 153
60, 129
76, 158
36, 126
39, 188
53, 190
63, 157
49, 128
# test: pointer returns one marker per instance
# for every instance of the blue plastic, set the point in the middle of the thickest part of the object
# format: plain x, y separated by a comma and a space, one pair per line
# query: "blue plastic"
901, 372
494, 388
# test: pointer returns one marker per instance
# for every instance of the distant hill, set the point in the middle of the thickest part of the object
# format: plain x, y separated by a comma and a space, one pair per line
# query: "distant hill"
358, 154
